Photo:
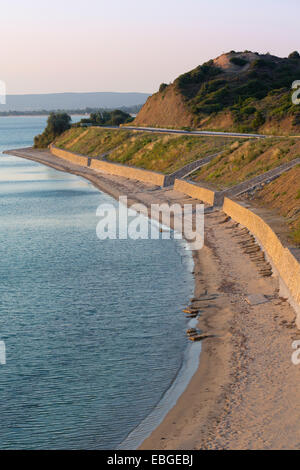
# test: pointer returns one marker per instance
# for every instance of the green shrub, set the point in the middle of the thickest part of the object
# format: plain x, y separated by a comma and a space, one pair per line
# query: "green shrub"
294, 55
162, 87
296, 235
296, 120
248, 110
109, 118
259, 120
238, 61
57, 123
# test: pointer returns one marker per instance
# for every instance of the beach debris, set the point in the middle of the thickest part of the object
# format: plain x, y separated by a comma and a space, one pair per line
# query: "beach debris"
258, 257
252, 248
256, 299
241, 233
266, 274
192, 332
266, 268
200, 337
186, 310
191, 311
227, 219
232, 226
247, 243
205, 298
196, 299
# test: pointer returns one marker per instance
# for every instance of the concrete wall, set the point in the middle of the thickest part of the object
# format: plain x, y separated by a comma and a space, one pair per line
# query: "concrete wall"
145, 176
195, 191
285, 264
71, 157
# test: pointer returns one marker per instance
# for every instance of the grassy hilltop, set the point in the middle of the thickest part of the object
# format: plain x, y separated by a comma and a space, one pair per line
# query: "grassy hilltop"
238, 91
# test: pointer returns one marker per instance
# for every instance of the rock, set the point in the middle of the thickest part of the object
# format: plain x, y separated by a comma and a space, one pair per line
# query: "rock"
191, 331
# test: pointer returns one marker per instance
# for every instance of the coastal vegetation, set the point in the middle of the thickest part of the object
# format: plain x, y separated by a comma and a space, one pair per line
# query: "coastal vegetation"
244, 160
157, 152
72, 111
57, 123
106, 118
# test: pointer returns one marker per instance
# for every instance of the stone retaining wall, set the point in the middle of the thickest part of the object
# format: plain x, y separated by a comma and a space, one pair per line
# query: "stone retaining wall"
71, 157
284, 262
145, 176
157, 179
195, 191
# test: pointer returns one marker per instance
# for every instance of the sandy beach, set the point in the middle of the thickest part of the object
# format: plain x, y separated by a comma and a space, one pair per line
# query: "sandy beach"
244, 393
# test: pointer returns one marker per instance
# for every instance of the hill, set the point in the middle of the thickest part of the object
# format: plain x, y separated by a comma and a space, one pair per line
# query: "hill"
68, 101
238, 91
151, 151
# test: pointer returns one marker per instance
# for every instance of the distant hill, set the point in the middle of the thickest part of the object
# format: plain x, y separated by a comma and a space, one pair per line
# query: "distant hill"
238, 91
66, 101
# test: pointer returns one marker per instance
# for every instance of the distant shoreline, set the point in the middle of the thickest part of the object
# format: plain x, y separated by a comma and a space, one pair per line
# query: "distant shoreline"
37, 115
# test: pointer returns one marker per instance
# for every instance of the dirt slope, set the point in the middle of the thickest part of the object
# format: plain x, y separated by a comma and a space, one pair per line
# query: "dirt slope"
166, 109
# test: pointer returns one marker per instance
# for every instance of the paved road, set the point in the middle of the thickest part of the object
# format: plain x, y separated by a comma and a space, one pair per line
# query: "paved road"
183, 132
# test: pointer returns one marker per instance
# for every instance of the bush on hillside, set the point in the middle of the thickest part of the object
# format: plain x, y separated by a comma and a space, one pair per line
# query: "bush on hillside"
162, 87
259, 120
238, 61
57, 123
110, 118
294, 55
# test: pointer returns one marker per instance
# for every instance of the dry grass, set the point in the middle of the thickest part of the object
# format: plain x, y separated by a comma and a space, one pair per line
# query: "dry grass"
158, 152
283, 194
245, 160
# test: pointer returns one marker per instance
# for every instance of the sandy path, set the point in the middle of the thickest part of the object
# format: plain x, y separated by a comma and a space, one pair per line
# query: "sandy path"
245, 392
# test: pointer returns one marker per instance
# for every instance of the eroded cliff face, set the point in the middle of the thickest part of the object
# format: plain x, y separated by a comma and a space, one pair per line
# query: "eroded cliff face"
166, 109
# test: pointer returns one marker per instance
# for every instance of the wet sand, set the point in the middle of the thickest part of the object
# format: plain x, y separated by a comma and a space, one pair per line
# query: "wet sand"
244, 394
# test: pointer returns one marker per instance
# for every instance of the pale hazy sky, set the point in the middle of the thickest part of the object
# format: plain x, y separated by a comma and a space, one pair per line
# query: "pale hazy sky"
132, 45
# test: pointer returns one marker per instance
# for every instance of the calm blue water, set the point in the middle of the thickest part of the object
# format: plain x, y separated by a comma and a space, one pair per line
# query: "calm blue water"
93, 329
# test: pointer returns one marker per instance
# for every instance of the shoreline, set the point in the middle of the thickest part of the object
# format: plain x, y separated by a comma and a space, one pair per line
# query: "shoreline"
231, 399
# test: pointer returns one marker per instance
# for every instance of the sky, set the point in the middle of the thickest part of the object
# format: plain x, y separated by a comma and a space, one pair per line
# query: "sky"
132, 45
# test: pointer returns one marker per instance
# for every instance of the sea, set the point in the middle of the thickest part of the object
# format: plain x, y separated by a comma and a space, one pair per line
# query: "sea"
96, 351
